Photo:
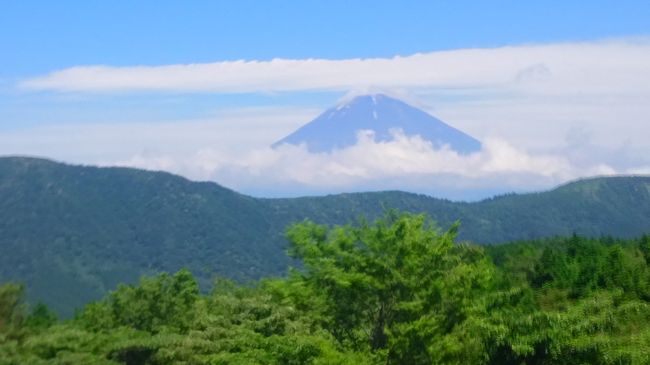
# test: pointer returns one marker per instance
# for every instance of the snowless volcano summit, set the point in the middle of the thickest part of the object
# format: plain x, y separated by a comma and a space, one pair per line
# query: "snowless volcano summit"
338, 127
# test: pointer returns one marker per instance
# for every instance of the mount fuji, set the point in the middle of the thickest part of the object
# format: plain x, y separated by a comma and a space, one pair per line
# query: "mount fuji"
338, 127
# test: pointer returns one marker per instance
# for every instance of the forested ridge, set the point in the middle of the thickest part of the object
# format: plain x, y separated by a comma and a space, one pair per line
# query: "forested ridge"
72, 233
396, 290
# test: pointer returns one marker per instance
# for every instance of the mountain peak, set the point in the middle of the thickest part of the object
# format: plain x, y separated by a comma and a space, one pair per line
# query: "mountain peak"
338, 127
373, 98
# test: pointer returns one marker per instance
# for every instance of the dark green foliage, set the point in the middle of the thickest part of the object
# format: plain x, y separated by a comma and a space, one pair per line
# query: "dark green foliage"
396, 285
72, 233
396, 291
644, 247
578, 266
11, 308
163, 302
591, 300
41, 317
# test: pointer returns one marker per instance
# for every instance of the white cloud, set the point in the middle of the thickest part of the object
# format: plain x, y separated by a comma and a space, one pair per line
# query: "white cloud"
644, 170
231, 150
406, 162
543, 123
235, 130
566, 111
602, 67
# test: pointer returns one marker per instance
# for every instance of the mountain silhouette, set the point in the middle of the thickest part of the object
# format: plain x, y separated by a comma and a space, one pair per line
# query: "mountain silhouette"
338, 127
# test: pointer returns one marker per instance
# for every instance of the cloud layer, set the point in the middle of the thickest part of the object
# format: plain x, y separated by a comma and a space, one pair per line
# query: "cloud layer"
406, 162
225, 150
617, 66
545, 114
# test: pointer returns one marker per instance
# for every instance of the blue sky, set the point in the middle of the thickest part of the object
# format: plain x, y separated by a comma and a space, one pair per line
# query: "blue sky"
39, 36
51, 98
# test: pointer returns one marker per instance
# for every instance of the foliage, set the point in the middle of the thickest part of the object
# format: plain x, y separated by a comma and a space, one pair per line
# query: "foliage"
396, 286
165, 302
73, 233
395, 291
11, 308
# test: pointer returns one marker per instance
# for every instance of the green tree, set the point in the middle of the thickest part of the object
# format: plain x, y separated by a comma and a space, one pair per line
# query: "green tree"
398, 286
40, 317
644, 247
12, 308
157, 302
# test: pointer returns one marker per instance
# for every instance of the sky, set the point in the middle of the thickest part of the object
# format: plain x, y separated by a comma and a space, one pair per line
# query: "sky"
555, 90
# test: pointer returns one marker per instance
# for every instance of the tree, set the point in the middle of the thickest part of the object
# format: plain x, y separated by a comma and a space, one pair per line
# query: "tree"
644, 247
12, 308
40, 317
398, 286
161, 301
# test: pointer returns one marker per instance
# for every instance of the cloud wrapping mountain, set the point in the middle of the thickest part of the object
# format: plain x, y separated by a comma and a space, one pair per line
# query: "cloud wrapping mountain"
566, 110
378, 141
404, 162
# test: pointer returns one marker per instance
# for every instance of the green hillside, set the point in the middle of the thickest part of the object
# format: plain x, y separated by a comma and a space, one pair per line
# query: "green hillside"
71, 233
393, 291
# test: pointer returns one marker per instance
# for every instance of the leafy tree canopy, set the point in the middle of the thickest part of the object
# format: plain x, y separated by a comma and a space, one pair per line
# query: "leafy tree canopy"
398, 290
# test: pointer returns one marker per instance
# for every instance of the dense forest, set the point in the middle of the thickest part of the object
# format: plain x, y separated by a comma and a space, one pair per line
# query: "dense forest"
396, 290
72, 233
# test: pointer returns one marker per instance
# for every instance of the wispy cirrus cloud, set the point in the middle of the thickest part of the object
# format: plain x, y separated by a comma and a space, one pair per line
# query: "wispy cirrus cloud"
600, 67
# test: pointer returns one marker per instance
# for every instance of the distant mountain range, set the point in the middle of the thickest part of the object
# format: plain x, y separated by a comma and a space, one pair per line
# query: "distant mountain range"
338, 127
73, 232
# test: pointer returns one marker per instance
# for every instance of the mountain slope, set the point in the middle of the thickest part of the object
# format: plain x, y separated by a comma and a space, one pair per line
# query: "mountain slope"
616, 206
338, 127
73, 232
